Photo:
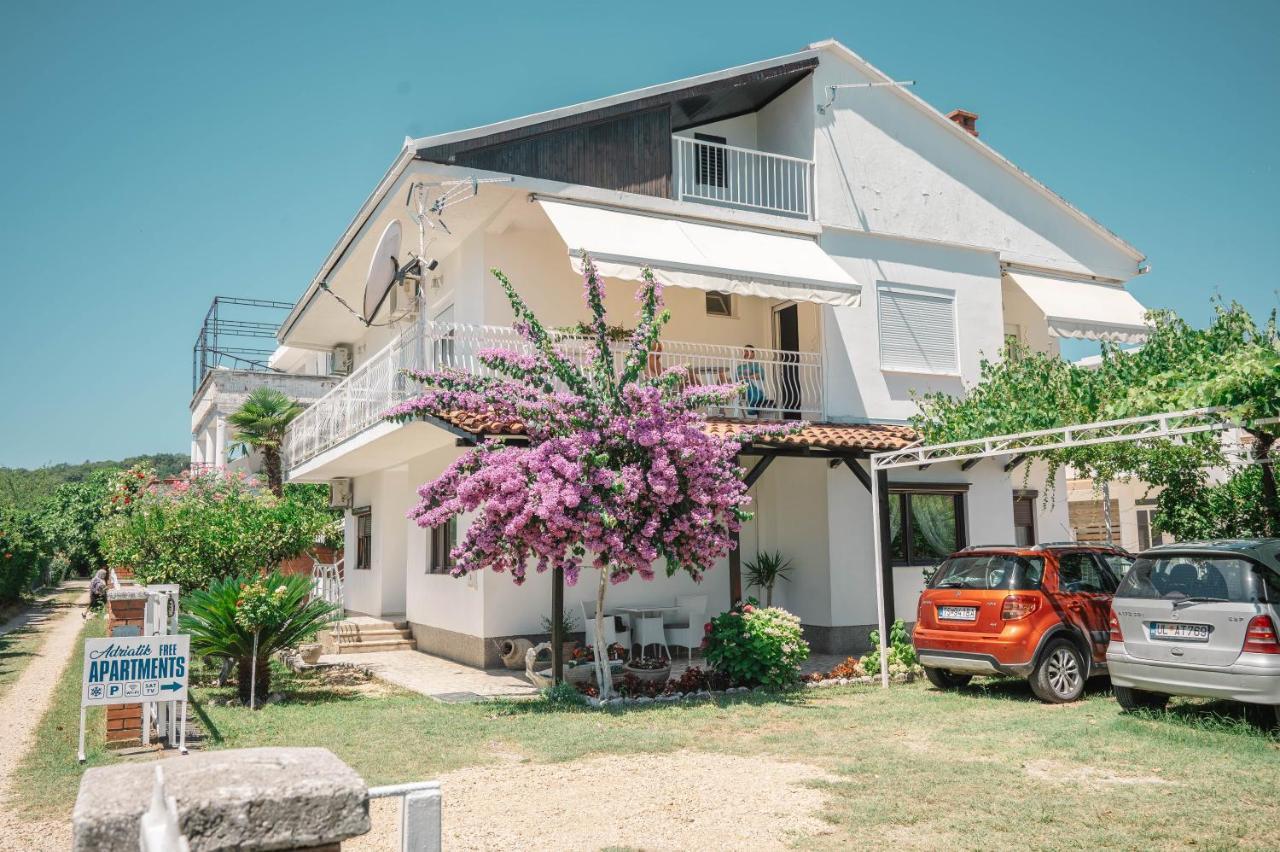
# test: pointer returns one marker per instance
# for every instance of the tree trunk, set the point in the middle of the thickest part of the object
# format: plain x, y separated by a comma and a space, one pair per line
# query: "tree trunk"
768, 595
604, 672
244, 668
271, 464
1270, 497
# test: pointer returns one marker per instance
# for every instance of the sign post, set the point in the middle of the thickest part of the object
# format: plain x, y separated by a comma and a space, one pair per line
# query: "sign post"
135, 670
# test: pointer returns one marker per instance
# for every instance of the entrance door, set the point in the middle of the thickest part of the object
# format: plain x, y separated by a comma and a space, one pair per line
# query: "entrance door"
786, 333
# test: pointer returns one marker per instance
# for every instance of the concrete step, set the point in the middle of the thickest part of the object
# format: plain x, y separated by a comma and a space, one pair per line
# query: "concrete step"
376, 645
348, 634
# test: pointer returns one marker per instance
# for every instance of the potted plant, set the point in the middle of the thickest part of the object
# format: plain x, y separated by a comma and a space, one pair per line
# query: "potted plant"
579, 666
568, 626
648, 669
766, 570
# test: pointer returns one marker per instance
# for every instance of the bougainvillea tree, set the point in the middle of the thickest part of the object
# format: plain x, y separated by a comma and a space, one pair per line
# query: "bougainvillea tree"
618, 472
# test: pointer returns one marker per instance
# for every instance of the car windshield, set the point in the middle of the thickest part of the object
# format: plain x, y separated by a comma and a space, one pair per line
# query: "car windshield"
989, 572
1209, 578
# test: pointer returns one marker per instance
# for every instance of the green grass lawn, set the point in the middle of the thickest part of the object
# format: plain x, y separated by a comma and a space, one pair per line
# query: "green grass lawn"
18, 647
989, 766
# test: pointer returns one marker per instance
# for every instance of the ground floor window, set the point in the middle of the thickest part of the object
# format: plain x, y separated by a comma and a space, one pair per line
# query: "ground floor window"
364, 538
1148, 535
1024, 518
443, 540
926, 525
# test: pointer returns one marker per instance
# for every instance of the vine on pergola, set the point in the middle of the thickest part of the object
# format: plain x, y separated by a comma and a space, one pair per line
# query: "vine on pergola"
1233, 363
618, 469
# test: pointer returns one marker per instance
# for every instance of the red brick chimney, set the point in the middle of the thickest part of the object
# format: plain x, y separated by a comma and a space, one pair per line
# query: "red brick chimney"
964, 118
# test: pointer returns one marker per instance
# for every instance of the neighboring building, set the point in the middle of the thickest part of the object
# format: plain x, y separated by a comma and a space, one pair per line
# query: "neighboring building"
228, 362
866, 245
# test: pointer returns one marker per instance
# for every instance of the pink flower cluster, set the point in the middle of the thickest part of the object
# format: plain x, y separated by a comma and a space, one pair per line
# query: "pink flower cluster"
618, 468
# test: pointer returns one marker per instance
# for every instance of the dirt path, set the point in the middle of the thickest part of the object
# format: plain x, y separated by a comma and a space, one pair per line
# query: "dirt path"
21, 708
681, 800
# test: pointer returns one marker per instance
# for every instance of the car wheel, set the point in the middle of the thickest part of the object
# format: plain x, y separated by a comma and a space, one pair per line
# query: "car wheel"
1265, 716
1138, 699
1060, 675
944, 679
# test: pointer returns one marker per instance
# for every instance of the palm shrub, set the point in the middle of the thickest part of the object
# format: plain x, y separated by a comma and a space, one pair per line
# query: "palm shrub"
260, 423
223, 618
755, 646
766, 570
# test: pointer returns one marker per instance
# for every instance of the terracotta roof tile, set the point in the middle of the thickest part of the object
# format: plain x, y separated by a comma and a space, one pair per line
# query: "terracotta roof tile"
866, 437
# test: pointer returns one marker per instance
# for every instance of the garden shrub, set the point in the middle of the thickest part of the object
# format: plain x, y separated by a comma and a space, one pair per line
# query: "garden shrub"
755, 646
22, 554
223, 618
902, 654
207, 526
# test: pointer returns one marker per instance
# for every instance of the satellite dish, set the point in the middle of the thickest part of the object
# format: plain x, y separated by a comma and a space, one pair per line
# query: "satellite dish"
382, 270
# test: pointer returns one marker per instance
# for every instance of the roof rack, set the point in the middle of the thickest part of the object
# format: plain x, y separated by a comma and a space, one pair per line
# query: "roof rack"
1047, 544
987, 546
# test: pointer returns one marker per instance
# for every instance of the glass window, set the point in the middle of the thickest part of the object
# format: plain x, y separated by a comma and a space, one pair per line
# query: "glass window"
1118, 563
1080, 572
1015, 573
719, 304
443, 539
1024, 520
1213, 577
924, 527
364, 539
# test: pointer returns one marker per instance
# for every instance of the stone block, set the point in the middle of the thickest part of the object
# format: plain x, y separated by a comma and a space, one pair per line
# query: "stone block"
249, 799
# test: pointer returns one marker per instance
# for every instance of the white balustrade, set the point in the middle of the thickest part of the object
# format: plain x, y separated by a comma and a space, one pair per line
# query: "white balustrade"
777, 383
740, 177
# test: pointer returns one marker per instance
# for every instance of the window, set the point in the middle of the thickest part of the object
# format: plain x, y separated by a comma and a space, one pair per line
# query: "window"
443, 540
1147, 533
917, 329
1015, 573
719, 304
1080, 572
1024, 518
1118, 564
1224, 577
710, 171
925, 527
364, 539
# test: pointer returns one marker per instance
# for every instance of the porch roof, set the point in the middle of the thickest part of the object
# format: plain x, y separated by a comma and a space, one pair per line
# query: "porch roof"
840, 438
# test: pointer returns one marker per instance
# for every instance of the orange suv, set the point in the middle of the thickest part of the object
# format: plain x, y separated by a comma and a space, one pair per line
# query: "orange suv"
1040, 613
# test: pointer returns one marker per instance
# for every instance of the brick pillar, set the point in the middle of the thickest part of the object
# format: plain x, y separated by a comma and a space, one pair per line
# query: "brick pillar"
126, 612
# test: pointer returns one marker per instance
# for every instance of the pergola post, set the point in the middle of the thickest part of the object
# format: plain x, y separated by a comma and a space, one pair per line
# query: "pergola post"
557, 625
884, 565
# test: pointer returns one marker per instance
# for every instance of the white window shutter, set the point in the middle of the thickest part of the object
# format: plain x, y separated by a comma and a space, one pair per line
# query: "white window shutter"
917, 330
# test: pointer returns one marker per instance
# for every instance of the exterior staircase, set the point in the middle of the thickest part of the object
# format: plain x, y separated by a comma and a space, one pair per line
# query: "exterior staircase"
362, 634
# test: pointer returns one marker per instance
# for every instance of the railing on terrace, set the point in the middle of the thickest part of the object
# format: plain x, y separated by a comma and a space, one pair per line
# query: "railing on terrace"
740, 177
778, 383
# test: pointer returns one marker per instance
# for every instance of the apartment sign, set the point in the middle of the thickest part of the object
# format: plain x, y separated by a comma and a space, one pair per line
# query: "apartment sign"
135, 669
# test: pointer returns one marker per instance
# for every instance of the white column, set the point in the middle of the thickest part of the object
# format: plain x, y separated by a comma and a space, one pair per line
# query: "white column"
208, 447
195, 450
220, 442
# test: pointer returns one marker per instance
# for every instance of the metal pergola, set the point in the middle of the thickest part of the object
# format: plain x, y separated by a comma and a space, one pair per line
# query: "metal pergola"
1022, 445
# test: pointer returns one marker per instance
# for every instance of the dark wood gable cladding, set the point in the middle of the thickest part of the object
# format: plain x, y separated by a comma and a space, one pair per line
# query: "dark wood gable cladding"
626, 146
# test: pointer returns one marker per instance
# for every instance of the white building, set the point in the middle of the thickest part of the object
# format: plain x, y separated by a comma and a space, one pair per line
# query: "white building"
866, 245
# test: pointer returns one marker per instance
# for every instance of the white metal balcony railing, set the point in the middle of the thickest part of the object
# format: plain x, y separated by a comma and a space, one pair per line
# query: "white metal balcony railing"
741, 177
779, 383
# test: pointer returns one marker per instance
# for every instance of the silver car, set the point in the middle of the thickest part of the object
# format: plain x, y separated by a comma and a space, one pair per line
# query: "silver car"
1199, 618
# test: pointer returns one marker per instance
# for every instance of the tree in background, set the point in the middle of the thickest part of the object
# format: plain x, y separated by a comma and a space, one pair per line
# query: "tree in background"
260, 423
618, 467
1233, 363
70, 517
209, 525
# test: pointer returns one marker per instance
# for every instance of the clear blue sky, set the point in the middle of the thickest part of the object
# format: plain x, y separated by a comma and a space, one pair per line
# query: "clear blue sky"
154, 155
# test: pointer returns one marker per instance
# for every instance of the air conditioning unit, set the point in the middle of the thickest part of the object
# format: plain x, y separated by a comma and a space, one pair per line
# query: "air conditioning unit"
404, 298
340, 494
343, 359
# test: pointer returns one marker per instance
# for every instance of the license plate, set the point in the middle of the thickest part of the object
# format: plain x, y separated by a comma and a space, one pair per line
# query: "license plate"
958, 613
1183, 632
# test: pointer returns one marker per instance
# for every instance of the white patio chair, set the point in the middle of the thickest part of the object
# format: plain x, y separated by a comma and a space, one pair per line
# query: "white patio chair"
649, 631
613, 634
687, 631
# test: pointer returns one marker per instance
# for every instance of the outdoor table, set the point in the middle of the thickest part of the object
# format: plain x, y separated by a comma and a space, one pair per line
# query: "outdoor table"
634, 612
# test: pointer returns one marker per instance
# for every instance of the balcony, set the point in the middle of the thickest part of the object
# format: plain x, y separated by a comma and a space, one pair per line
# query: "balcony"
741, 178
784, 383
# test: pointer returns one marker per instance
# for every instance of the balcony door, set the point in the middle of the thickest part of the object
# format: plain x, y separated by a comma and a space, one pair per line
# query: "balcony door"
786, 339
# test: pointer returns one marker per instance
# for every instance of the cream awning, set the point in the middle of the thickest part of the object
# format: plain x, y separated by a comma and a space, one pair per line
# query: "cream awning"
1085, 309
702, 256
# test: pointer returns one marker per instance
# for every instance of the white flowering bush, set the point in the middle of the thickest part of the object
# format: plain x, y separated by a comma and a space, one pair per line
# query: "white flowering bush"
756, 646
